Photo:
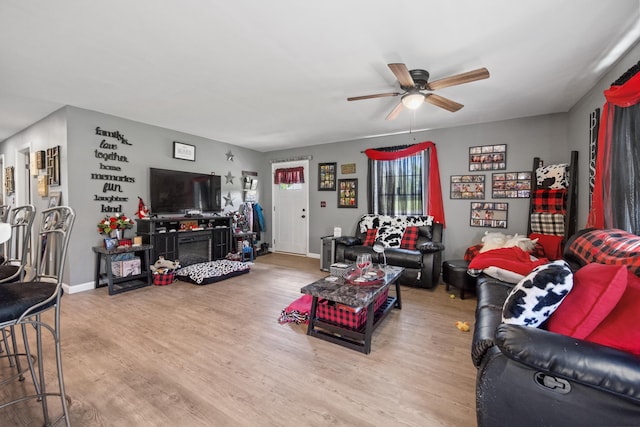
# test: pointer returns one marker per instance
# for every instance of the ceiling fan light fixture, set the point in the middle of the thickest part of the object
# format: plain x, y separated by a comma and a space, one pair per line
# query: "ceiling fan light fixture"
413, 100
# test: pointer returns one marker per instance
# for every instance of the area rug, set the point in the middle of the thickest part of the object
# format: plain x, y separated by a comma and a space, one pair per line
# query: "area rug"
297, 312
205, 273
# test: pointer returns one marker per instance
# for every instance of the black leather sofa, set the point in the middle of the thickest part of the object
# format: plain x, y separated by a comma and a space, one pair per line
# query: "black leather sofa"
421, 266
532, 377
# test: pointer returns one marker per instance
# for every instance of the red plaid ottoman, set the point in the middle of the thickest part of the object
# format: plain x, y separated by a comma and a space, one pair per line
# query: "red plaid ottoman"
345, 316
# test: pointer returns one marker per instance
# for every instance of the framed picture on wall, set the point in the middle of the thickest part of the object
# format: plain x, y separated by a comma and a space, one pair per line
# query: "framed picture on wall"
348, 193
511, 185
488, 157
493, 215
184, 151
467, 187
327, 176
54, 199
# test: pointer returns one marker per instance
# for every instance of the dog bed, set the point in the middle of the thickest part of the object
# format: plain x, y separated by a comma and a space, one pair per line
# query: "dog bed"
297, 311
205, 273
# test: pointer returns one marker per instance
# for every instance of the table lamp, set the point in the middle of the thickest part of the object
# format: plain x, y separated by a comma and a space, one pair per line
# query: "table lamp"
378, 247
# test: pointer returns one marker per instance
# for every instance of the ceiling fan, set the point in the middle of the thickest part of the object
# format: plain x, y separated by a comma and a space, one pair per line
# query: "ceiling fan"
416, 82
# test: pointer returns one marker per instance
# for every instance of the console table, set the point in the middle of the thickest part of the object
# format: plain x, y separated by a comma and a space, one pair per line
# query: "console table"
337, 290
189, 239
117, 285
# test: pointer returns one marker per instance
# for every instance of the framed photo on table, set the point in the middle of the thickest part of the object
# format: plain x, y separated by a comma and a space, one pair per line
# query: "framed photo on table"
110, 243
327, 176
348, 193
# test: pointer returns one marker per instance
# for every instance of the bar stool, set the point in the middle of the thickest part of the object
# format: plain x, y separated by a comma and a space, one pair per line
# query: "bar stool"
17, 247
12, 269
23, 303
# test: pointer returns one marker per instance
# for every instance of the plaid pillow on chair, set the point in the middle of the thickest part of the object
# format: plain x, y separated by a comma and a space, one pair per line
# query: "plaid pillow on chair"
371, 237
409, 238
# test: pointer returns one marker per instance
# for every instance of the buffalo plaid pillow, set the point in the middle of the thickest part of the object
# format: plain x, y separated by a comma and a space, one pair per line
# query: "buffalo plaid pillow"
409, 238
371, 237
472, 251
608, 246
552, 201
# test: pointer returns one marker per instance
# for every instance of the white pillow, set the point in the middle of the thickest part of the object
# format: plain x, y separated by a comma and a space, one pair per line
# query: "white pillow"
537, 296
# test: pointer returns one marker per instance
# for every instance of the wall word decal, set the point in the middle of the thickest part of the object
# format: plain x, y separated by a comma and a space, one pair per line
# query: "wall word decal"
107, 153
117, 135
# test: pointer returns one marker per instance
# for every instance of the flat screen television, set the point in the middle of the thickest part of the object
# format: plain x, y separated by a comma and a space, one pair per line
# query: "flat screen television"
177, 192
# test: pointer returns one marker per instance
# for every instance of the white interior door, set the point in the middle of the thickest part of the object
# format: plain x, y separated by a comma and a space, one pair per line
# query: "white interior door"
291, 212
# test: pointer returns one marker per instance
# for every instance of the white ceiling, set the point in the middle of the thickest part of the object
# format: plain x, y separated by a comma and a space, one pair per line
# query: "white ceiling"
276, 74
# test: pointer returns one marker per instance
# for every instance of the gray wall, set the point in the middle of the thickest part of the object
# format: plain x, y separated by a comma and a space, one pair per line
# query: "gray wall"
525, 139
74, 129
46, 133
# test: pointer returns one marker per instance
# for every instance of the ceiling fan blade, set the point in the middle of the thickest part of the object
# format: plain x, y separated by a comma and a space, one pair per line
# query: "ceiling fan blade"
396, 110
378, 95
458, 79
402, 74
442, 102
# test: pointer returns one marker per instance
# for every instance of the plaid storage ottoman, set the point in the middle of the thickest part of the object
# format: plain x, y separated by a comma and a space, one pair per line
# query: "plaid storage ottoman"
346, 316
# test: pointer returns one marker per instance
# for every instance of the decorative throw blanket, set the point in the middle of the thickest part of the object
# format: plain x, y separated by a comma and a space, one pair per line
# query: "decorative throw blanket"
376, 221
512, 259
297, 311
205, 273
608, 246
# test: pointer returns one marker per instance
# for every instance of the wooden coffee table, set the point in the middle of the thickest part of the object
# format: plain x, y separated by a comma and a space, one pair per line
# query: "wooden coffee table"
357, 297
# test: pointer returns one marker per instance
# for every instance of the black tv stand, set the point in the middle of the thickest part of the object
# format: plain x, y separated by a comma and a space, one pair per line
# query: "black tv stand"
201, 238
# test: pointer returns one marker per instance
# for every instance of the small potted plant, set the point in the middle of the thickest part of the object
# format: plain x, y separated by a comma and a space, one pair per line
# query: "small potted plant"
115, 225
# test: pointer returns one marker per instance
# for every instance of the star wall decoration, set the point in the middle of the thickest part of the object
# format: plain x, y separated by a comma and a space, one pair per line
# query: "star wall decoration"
229, 178
229, 156
228, 200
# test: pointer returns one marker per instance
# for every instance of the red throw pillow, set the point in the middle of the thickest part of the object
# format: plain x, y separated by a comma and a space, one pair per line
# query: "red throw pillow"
409, 238
597, 288
620, 328
552, 244
371, 237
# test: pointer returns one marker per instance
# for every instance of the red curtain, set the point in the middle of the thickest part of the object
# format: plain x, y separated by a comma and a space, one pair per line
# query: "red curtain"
289, 176
624, 95
435, 207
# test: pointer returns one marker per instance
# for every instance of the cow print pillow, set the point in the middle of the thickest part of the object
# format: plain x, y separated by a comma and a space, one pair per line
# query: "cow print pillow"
391, 236
537, 296
553, 177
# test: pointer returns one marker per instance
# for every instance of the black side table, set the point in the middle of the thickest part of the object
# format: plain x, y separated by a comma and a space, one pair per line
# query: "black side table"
122, 284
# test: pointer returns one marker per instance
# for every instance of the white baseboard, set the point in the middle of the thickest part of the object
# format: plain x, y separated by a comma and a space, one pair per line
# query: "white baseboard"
78, 288
310, 255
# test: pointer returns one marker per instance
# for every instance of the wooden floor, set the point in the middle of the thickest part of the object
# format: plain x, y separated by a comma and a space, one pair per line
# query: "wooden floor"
186, 355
